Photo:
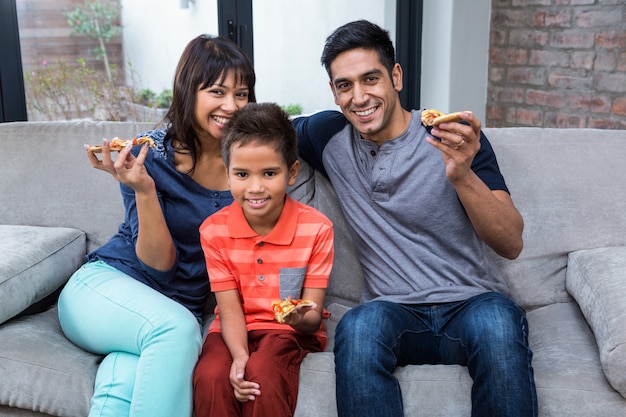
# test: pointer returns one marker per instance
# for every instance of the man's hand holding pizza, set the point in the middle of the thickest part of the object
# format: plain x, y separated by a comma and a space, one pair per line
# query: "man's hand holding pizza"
492, 212
459, 142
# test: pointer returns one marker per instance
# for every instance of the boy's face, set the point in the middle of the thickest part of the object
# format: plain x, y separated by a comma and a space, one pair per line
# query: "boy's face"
258, 177
366, 94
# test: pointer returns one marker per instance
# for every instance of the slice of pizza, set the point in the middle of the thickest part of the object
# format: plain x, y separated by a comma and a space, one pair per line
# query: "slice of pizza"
282, 308
428, 115
118, 144
432, 117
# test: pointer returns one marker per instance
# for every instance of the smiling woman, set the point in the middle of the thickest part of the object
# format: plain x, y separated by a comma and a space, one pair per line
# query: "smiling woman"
155, 257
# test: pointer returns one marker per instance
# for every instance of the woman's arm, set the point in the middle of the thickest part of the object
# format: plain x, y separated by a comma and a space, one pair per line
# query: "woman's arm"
154, 245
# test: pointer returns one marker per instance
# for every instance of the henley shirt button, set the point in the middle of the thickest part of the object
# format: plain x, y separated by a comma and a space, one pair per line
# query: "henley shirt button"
259, 261
373, 153
216, 204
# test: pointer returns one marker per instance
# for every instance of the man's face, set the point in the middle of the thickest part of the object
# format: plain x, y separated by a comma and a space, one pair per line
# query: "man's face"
366, 94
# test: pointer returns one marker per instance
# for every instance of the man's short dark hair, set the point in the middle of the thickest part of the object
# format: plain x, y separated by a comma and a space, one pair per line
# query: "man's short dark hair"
359, 34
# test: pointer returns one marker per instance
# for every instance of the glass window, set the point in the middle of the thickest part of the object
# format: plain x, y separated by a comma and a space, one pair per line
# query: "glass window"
69, 76
288, 40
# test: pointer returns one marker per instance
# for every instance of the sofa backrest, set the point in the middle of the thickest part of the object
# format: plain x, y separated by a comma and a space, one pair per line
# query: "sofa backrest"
569, 186
47, 179
567, 183
346, 279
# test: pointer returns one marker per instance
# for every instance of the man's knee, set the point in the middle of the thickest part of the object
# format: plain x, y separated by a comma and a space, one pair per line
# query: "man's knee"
363, 320
366, 332
500, 324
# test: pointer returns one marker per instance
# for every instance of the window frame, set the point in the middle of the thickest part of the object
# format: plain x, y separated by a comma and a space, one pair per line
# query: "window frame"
12, 94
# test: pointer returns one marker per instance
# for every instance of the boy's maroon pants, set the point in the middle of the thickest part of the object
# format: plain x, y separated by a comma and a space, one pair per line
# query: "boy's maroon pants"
275, 358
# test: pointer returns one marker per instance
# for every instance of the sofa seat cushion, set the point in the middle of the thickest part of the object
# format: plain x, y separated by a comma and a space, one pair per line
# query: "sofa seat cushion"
569, 379
35, 262
43, 371
596, 278
428, 390
568, 375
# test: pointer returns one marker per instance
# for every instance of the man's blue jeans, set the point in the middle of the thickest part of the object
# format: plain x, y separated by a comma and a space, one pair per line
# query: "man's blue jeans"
487, 333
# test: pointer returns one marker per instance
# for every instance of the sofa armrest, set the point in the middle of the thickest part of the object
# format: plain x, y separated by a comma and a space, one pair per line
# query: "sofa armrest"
35, 262
596, 279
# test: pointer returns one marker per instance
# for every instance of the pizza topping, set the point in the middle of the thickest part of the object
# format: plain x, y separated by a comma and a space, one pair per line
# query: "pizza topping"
432, 117
282, 308
118, 144
429, 115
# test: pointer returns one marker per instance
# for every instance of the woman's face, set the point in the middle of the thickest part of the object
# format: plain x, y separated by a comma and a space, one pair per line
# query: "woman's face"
216, 104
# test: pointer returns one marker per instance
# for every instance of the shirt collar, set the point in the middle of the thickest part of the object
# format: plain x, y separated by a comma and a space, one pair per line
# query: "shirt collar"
282, 234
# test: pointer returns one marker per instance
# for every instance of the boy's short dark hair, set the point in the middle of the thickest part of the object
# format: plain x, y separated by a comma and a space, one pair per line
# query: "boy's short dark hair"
359, 34
262, 123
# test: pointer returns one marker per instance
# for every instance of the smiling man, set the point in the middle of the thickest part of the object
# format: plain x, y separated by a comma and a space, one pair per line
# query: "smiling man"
420, 210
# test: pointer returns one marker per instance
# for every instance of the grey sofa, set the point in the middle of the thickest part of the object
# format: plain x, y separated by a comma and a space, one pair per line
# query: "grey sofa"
570, 277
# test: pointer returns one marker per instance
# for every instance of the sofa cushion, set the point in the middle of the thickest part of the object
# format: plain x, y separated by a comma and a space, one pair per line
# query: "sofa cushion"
569, 379
35, 261
346, 279
596, 278
42, 370
60, 176
558, 181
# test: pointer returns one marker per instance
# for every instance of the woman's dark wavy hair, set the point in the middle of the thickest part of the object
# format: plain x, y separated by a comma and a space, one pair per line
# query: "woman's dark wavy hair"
359, 34
205, 61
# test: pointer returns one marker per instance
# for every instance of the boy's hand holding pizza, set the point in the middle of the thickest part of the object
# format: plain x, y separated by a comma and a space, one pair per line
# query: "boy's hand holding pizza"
292, 312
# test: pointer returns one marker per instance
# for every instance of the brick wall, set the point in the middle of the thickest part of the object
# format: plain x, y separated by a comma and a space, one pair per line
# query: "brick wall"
557, 63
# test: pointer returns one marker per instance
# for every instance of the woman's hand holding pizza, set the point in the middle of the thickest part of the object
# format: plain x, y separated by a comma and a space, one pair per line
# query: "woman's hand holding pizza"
125, 168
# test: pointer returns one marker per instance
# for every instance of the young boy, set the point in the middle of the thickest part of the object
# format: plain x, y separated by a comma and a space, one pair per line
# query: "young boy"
262, 248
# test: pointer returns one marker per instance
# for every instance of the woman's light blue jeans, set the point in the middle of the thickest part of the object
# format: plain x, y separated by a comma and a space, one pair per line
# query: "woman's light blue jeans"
151, 343
487, 333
